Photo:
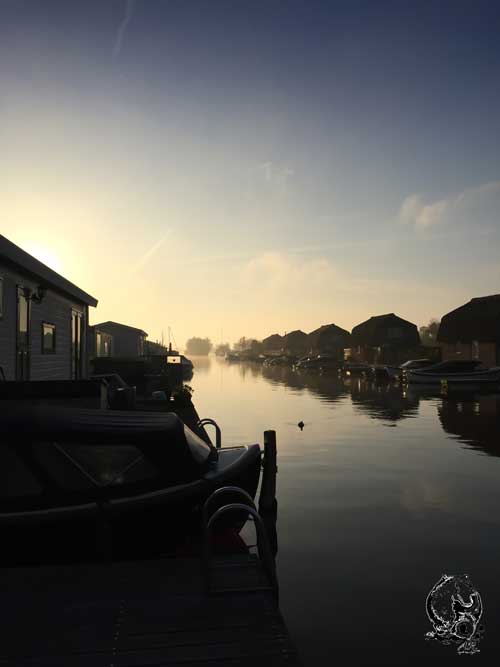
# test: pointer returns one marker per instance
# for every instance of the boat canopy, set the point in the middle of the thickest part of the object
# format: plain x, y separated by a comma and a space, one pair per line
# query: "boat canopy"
48, 451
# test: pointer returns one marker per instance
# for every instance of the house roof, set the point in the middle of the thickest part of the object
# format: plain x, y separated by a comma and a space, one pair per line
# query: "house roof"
296, 337
274, 340
374, 331
328, 332
15, 256
479, 319
109, 324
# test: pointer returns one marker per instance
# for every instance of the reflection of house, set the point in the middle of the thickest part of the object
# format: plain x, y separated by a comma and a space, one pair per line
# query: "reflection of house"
472, 331
43, 320
329, 339
387, 402
125, 341
384, 339
272, 343
474, 418
295, 342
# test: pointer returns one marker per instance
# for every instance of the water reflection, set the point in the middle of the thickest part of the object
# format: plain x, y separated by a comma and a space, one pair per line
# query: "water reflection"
383, 400
379, 400
473, 419
201, 364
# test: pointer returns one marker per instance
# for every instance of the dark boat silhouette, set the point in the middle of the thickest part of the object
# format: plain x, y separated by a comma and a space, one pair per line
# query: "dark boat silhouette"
143, 475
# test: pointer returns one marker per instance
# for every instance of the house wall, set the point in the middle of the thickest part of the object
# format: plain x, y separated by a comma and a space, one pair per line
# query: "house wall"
489, 353
54, 309
126, 343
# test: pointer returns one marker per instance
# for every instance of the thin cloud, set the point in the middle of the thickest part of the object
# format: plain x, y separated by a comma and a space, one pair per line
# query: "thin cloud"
476, 204
144, 259
122, 28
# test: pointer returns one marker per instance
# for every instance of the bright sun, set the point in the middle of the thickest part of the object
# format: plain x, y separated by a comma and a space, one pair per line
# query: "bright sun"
48, 257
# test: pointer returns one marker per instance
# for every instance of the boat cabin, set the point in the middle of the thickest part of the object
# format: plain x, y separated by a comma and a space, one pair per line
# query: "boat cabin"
386, 339
472, 331
43, 320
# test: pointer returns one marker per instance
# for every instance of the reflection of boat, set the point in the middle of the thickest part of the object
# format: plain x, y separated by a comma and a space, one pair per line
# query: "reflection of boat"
380, 372
355, 368
140, 471
459, 371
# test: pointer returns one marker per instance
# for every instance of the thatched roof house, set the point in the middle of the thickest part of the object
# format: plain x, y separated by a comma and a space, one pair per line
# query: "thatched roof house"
295, 342
384, 338
272, 343
330, 339
472, 331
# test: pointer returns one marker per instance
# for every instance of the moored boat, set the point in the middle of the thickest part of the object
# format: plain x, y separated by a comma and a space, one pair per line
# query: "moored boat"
142, 473
458, 371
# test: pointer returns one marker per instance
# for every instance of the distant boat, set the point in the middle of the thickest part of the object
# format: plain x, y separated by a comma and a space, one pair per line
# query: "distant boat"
459, 371
232, 356
319, 362
176, 358
355, 368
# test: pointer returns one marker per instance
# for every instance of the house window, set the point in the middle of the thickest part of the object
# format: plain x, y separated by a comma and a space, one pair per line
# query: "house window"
48, 338
475, 349
1, 297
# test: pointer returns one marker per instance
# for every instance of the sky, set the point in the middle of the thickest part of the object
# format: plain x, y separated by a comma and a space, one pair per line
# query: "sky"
248, 167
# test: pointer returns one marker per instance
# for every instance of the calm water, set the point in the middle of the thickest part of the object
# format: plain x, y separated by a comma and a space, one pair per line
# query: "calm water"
380, 494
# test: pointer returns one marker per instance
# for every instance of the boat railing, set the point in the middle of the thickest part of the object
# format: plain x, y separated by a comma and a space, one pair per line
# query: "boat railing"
218, 433
264, 553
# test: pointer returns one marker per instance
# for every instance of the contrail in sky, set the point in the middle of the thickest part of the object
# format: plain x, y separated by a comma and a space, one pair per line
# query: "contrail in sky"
147, 255
129, 11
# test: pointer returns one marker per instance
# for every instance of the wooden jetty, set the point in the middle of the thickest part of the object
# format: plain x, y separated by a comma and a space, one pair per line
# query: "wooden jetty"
141, 613
210, 609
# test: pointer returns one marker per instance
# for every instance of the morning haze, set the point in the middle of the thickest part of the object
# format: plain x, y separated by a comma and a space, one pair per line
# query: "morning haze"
256, 167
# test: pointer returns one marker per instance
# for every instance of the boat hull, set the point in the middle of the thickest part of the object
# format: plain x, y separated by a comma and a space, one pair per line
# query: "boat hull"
491, 376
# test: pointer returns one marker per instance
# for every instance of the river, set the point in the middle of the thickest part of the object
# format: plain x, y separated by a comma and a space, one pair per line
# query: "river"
382, 492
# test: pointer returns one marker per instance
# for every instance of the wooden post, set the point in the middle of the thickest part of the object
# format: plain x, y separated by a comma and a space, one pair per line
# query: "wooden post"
267, 499
268, 505
104, 395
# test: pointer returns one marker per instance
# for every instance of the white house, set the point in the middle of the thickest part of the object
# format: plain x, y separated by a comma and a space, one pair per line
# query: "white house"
43, 320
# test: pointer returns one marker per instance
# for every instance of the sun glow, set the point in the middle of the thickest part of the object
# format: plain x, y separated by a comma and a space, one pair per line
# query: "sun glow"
46, 255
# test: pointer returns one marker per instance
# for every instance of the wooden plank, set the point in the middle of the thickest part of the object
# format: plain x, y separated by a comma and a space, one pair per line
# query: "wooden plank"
140, 613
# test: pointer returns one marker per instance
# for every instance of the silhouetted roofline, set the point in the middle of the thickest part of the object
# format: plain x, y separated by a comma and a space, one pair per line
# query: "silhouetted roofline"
17, 257
117, 324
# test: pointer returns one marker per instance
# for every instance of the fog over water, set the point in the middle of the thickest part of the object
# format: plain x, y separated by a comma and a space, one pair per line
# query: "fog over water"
382, 492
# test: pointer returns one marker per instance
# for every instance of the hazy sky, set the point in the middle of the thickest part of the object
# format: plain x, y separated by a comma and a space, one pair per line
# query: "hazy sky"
254, 166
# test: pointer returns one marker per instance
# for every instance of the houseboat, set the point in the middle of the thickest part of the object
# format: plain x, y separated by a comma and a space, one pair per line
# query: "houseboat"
43, 320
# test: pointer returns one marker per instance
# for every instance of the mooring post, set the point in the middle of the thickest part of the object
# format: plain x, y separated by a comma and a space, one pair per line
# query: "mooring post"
267, 499
268, 505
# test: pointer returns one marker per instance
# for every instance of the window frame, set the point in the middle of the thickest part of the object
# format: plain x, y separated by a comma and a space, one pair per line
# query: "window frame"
54, 330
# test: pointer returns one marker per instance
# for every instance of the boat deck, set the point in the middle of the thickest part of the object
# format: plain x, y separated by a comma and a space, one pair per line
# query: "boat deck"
153, 612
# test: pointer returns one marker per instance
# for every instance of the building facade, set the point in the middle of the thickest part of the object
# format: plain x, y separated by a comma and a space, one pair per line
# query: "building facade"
472, 331
385, 339
329, 339
125, 341
43, 320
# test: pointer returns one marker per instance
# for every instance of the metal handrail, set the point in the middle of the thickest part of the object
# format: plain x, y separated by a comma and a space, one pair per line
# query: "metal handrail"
264, 550
218, 432
223, 490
